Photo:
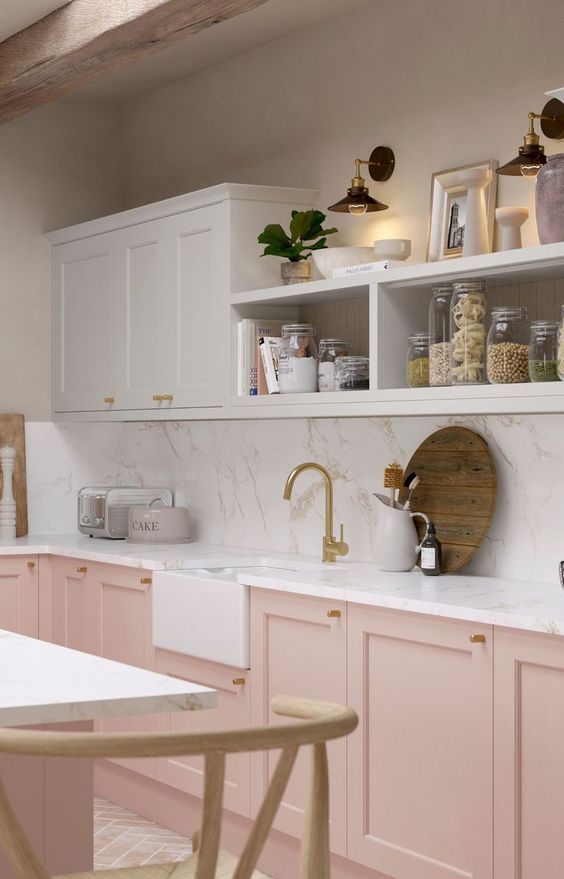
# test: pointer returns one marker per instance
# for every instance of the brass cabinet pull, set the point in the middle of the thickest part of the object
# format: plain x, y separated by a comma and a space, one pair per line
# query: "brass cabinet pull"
238, 682
477, 639
109, 400
31, 565
168, 397
146, 581
333, 613
81, 570
158, 398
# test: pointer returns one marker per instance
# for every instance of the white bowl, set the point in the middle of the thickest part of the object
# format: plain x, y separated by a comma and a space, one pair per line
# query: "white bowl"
392, 248
340, 257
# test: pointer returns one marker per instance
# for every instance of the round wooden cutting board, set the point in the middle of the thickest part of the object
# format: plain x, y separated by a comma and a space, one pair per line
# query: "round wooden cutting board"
457, 491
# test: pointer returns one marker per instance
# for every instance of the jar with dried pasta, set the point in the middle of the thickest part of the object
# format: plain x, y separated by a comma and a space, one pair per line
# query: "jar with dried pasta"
469, 307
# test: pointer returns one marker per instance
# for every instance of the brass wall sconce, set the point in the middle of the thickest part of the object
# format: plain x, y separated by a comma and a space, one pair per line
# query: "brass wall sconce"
358, 200
531, 155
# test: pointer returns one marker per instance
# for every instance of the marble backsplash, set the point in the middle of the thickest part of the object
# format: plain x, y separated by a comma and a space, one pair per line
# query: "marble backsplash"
231, 475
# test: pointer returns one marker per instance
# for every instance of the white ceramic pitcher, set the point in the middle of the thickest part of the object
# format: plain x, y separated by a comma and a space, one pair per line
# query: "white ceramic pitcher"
397, 545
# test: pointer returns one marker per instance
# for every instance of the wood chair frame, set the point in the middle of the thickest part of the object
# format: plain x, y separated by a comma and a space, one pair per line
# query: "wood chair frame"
321, 722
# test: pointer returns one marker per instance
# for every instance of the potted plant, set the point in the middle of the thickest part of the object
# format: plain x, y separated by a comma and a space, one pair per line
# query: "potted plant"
306, 234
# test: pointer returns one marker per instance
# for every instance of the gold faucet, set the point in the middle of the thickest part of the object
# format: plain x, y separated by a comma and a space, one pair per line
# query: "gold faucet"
331, 547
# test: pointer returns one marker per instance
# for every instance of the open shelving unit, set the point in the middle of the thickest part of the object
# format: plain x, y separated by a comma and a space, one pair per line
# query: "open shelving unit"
379, 310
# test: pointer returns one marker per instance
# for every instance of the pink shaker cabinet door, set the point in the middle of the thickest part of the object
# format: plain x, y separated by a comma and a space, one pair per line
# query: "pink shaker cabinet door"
233, 712
529, 756
420, 762
298, 648
68, 604
19, 595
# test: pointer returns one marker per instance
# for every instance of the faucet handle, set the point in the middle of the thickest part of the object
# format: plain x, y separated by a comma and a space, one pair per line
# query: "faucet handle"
343, 547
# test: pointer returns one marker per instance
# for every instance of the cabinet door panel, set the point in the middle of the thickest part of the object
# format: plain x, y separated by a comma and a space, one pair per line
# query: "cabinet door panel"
297, 650
68, 605
83, 324
196, 308
529, 757
125, 635
420, 763
233, 712
19, 595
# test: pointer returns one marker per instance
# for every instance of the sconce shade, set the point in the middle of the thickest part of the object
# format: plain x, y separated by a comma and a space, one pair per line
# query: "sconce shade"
358, 196
526, 157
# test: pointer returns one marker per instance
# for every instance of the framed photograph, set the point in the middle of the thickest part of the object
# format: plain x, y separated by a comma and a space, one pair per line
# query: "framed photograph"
449, 201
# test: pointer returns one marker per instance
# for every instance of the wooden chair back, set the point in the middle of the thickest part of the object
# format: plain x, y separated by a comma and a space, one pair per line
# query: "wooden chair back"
320, 722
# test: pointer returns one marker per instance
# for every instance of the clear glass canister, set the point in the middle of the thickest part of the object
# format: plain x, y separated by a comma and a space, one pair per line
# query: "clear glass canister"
352, 373
469, 307
418, 361
543, 351
439, 331
561, 347
329, 350
508, 345
297, 360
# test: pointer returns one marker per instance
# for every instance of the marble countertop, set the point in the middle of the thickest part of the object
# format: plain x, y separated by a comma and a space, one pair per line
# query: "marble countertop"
537, 607
46, 683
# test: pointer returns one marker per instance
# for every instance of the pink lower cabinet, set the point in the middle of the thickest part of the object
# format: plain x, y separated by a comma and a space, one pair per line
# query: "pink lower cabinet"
233, 711
68, 604
529, 756
298, 648
123, 625
420, 762
19, 611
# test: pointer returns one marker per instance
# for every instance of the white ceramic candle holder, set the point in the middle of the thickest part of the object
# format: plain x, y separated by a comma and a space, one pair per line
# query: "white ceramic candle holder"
509, 221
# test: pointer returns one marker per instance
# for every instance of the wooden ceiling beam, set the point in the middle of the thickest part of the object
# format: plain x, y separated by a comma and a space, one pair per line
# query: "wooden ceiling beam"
86, 40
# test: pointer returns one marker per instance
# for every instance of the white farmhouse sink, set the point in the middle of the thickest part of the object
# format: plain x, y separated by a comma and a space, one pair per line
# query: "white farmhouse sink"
204, 612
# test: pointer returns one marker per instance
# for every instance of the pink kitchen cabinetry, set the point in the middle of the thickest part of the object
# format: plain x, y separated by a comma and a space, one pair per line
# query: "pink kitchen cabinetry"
528, 755
122, 623
68, 604
19, 595
233, 711
298, 648
420, 762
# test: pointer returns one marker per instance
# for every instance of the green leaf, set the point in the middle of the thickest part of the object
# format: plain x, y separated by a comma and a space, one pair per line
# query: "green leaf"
277, 250
319, 245
274, 234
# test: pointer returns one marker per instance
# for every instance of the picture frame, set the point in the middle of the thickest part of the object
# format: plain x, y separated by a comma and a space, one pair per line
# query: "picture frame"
447, 220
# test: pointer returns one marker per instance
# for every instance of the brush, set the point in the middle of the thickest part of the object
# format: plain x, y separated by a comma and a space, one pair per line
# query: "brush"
393, 479
410, 482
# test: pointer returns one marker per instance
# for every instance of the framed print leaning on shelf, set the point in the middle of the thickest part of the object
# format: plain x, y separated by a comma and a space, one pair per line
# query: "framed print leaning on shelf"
450, 216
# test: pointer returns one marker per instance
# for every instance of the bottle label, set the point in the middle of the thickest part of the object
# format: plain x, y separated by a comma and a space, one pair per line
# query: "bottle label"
326, 376
428, 558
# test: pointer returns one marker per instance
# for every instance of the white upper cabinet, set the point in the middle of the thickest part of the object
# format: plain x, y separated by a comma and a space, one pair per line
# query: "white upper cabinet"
141, 300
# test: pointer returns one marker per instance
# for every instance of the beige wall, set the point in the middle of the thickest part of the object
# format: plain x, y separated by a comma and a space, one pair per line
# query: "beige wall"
443, 83
60, 164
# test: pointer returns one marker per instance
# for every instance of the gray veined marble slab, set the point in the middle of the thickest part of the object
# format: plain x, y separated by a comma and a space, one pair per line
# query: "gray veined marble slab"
45, 683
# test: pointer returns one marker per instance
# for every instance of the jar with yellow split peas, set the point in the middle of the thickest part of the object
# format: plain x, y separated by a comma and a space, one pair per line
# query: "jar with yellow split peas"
469, 307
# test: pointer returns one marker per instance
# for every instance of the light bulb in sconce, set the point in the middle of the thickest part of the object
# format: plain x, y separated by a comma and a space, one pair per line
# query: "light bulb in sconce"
530, 170
357, 210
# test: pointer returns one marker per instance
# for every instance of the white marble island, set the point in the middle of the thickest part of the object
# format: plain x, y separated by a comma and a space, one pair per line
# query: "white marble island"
43, 683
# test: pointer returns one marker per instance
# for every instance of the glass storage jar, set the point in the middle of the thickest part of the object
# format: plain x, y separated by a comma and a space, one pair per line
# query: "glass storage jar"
297, 360
418, 360
508, 348
561, 346
439, 331
329, 350
352, 373
468, 311
543, 351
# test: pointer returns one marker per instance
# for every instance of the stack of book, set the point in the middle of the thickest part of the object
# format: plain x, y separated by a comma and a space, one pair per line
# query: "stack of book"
258, 343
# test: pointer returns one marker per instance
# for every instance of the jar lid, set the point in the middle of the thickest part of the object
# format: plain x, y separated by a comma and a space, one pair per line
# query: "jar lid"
510, 312
544, 325
421, 338
346, 343
442, 290
352, 360
470, 285
298, 330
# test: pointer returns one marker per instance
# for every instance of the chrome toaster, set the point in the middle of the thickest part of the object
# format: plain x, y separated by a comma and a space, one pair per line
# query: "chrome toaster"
103, 511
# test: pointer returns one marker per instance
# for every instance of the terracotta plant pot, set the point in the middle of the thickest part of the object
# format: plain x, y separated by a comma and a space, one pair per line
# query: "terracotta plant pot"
550, 199
295, 272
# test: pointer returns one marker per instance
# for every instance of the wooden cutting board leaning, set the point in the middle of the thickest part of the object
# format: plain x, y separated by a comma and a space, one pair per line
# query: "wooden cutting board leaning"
457, 491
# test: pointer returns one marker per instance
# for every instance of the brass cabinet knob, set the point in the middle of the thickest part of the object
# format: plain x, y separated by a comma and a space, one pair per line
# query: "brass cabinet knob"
168, 397
109, 400
81, 570
146, 581
333, 613
238, 682
31, 565
477, 639
158, 398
